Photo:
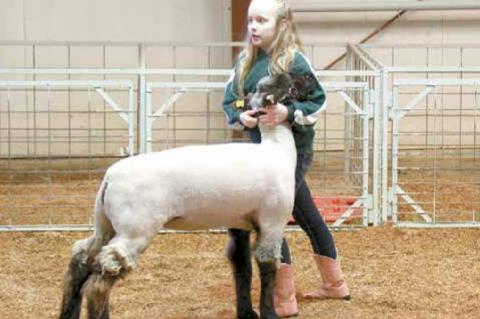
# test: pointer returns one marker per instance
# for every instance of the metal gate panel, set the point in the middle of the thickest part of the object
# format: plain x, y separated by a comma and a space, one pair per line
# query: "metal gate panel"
56, 138
435, 153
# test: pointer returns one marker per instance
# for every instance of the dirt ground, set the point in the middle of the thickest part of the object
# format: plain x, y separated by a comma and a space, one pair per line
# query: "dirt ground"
392, 273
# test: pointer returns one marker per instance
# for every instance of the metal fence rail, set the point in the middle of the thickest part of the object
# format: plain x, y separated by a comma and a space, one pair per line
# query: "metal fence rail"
60, 131
56, 189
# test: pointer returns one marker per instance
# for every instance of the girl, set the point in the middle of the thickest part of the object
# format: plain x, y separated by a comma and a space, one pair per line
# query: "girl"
272, 48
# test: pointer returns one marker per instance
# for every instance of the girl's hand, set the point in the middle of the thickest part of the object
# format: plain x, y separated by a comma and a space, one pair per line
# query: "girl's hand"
248, 120
276, 114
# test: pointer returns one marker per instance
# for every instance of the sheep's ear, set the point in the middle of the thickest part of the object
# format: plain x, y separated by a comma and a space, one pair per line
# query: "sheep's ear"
270, 98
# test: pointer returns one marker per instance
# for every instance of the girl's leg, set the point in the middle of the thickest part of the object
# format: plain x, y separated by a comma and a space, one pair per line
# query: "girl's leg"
307, 216
306, 213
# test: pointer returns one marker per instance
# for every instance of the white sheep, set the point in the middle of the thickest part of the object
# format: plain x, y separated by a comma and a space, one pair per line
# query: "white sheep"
238, 186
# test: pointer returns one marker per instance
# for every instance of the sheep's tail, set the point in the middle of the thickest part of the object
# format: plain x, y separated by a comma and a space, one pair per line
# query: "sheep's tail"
103, 230
103, 227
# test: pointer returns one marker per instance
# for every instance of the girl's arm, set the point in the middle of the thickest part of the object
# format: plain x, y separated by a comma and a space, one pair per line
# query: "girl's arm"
229, 103
238, 118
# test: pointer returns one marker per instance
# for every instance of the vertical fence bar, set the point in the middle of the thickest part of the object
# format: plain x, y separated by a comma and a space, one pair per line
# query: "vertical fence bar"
69, 115
461, 109
174, 108
384, 149
347, 133
395, 142
475, 184
142, 116
9, 160
148, 120
49, 156
209, 117
89, 145
131, 128
435, 157
376, 216
365, 134
105, 118
34, 92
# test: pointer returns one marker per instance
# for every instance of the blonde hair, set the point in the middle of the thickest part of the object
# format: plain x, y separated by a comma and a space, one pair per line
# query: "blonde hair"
284, 45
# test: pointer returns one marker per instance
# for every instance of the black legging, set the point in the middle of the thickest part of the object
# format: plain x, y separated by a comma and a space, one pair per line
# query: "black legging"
306, 214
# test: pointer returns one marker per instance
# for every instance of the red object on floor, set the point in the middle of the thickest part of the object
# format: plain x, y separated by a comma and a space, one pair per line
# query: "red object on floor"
331, 208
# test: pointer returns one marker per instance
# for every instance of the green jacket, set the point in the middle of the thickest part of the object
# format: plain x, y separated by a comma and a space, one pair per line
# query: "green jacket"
301, 115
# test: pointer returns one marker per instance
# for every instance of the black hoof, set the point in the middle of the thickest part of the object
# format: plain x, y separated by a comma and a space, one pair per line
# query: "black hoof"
248, 315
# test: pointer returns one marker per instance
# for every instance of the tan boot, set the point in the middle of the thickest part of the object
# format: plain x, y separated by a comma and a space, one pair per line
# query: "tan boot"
284, 292
334, 286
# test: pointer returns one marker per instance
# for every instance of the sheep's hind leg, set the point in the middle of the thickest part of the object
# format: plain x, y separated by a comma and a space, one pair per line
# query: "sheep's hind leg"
78, 272
97, 291
238, 252
113, 262
267, 254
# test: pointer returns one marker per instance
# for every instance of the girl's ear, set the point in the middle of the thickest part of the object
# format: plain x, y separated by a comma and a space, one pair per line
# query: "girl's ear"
283, 24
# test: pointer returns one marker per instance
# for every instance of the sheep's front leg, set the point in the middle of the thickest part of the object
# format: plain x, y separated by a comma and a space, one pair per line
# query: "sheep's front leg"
268, 270
267, 254
238, 252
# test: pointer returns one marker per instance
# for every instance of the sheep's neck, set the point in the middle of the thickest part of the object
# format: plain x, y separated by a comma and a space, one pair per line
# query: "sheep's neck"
282, 135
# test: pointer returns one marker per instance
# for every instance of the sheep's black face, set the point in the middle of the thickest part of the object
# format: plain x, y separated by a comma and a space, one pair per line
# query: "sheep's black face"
303, 85
281, 88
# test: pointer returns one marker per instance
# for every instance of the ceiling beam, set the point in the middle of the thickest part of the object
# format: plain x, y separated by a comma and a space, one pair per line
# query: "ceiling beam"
349, 6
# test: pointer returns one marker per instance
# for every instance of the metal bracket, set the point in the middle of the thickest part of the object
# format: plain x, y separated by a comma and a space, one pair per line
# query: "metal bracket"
350, 102
165, 108
419, 210
344, 217
112, 104
417, 99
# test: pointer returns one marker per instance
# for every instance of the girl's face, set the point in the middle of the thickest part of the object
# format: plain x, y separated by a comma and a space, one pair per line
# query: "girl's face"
262, 23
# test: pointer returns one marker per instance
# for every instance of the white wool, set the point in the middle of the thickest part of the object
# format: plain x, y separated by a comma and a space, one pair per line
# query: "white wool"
200, 187
246, 186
